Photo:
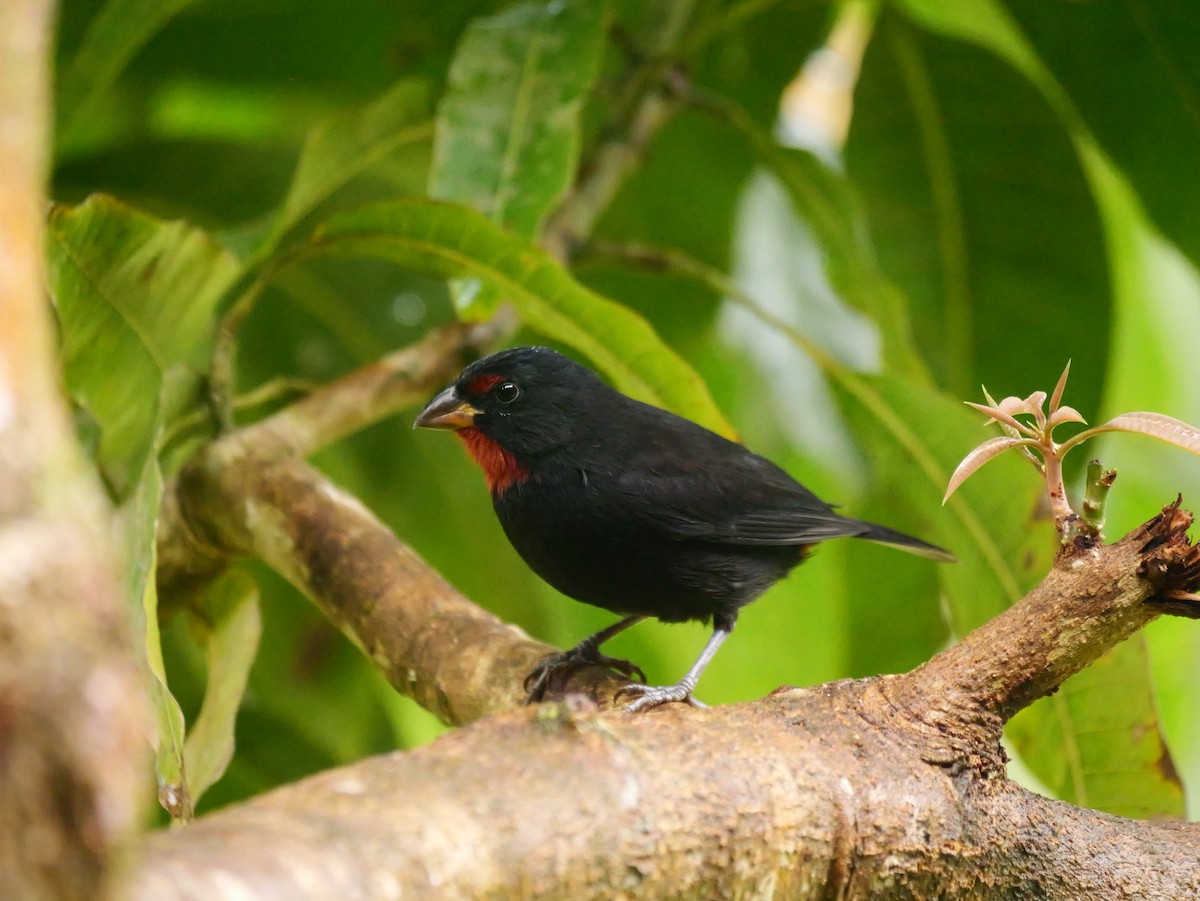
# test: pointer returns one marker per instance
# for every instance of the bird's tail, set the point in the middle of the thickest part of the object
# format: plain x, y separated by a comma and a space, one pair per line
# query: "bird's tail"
892, 538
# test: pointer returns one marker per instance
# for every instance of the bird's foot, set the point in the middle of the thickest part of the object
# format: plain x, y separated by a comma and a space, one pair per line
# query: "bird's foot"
646, 697
565, 662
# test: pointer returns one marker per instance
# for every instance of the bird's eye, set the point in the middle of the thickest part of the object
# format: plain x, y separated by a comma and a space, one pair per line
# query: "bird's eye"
506, 392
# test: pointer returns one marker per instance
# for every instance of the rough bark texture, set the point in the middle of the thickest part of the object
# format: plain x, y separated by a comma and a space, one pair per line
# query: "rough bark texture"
1093, 598
817, 793
892, 787
72, 731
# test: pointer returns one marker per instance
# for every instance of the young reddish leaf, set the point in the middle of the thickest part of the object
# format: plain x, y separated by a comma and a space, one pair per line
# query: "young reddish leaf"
1034, 402
1155, 425
1065, 414
1014, 406
1056, 397
990, 449
996, 414
1004, 426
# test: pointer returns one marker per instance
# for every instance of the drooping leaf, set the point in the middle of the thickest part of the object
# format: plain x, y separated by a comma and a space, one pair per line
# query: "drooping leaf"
1155, 322
345, 145
138, 519
989, 450
451, 241
823, 199
1139, 104
135, 299
230, 625
1139, 260
981, 214
985, 22
508, 124
507, 139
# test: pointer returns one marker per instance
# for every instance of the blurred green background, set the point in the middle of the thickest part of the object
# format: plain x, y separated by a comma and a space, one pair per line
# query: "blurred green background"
947, 195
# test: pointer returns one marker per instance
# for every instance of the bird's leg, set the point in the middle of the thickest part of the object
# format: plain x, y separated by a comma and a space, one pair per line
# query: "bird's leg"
587, 651
647, 696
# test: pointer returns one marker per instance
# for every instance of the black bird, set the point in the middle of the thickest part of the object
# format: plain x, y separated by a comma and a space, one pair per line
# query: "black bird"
628, 507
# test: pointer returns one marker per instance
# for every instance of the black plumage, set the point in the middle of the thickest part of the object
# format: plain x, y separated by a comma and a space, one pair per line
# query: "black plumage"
628, 507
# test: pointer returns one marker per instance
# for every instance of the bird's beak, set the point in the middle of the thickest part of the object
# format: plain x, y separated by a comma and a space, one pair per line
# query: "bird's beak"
446, 411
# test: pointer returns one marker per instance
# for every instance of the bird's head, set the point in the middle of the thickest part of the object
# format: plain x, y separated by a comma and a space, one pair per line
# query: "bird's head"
513, 408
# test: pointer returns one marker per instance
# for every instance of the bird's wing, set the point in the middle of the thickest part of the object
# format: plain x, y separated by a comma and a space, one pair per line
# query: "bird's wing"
686, 482
765, 527
726, 494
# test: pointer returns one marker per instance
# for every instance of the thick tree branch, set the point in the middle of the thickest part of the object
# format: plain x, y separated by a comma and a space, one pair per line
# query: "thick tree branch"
811, 793
1091, 600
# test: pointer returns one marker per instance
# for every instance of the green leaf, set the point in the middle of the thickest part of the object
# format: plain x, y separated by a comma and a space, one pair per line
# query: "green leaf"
230, 624
983, 22
1097, 741
346, 145
507, 139
451, 241
135, 299
972, 209
823, 198
138, 519
1156, 285
1139, 98
114, 36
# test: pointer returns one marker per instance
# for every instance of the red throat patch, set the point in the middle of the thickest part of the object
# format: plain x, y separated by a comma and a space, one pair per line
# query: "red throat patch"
499, 466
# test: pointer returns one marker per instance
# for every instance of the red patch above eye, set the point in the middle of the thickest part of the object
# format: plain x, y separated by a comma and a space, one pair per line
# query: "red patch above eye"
481, 384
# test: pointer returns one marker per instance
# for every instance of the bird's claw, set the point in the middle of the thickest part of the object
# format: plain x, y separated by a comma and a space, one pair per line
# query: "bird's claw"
647, 697
626, 668
539, 677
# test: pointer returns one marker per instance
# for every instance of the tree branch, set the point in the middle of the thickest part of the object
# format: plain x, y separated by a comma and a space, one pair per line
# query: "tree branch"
812, 793
1089, 602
